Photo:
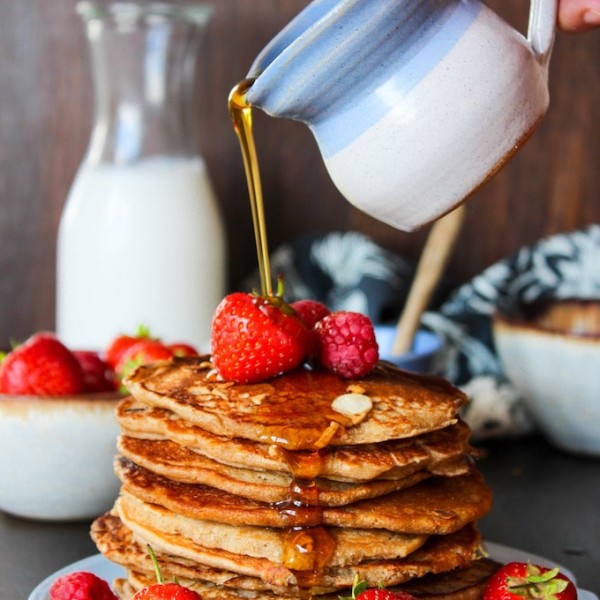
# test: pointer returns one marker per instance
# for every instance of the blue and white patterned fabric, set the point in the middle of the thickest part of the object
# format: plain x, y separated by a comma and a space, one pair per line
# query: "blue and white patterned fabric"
558, 267
348, 271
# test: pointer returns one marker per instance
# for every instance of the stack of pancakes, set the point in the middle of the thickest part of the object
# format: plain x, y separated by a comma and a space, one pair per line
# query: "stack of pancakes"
296, 486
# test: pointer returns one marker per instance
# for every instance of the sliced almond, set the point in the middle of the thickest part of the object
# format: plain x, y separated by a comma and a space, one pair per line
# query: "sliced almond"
354, 406
327, 435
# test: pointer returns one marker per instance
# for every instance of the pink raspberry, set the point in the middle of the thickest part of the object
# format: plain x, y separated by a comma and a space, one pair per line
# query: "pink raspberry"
310, 311
346, 344
81, 586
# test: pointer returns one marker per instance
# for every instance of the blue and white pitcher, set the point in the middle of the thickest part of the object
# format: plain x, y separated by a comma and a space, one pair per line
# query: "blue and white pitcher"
414, 103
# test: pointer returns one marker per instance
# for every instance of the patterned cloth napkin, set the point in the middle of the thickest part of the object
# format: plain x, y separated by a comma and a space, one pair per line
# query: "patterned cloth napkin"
348, 271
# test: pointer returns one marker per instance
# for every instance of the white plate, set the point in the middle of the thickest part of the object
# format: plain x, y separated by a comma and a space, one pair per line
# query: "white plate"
108, 571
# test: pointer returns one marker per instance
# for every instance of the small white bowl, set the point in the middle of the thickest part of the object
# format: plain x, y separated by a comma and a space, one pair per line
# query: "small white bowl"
425, 356
551, 354
56, 456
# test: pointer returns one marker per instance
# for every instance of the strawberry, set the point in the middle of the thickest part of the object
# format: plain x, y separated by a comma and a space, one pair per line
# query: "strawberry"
166, 591
257, 337
98, 375
383, 594
310, 311
518, 580
360, 591
182, 349
162, 590
346, 344
122, 343
42, 366
81, 586
142, 352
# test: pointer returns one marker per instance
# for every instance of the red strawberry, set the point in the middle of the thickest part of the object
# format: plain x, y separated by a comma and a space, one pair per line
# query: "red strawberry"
166, 591
122, 343
141, 353
383, 594
255, 338
182, 349
162, 590
98, 375
518, 580
42, 366
346, 344
310, 311
81, 586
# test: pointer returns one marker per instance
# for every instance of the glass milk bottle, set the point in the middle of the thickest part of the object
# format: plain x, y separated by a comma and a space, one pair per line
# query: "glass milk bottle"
141, 240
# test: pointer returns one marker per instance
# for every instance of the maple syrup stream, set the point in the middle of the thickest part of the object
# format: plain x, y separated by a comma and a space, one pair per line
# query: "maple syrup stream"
241, 115
308, 547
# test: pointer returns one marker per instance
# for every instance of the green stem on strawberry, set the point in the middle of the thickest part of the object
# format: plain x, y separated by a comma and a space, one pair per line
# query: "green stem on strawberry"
143, 332
358, 587
159, 577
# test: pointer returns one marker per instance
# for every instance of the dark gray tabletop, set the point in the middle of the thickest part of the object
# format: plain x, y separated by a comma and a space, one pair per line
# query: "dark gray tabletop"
545, 502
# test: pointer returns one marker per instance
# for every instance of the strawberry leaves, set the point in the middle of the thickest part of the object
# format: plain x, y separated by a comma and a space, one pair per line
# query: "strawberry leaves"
518, 580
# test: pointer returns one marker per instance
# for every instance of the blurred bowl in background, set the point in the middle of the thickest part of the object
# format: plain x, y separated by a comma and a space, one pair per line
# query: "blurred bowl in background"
56, 456
425, 356
551, 353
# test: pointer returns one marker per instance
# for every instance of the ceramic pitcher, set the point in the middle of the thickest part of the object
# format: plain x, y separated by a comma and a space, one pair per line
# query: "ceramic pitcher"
414, 103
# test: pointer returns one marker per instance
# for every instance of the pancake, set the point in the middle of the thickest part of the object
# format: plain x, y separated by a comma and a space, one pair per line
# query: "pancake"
440, 505
295, 410
294, 487
460, 584
350, 546
438, 554
179, 464
442, 452
117, 543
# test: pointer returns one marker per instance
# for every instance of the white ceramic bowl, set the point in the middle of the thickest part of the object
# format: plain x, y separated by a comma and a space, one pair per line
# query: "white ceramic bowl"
552, 355
56, 456
425, 356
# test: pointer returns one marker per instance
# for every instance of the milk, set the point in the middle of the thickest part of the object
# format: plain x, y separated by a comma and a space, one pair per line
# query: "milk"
141, 244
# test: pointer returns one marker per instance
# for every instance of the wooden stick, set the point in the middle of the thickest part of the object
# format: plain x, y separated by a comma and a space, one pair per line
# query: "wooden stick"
432, 263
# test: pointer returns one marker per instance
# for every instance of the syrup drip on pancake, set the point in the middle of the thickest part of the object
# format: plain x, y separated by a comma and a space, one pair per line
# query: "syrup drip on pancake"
307, 549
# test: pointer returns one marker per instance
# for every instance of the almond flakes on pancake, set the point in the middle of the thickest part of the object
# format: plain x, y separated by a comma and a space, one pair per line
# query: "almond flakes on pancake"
294, 410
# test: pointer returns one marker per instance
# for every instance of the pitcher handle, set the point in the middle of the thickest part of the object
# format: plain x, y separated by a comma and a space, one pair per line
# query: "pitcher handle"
542, 28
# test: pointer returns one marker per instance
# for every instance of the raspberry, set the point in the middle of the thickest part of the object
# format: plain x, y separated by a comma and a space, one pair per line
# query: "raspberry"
310, 311
346, 344
81, 586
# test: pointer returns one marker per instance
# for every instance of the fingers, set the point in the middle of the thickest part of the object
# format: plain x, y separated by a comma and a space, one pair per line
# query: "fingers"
578, 15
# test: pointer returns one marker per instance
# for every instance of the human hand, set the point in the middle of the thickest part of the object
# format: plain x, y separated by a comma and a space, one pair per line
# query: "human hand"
578, 15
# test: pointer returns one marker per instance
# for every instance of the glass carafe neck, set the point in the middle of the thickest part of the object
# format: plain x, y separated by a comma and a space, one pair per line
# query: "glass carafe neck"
143, 63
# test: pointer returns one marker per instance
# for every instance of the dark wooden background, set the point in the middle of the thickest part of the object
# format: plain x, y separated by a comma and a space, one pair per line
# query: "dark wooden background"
552, 185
